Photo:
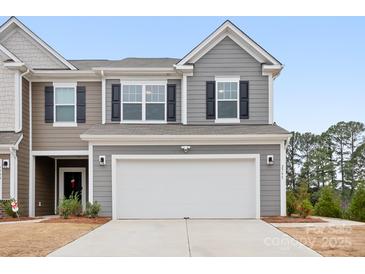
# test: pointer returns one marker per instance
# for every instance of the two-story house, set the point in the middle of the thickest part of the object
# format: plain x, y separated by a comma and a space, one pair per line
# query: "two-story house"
145, 137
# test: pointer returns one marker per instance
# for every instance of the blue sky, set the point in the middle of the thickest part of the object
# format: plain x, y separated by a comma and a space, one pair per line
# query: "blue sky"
324, 57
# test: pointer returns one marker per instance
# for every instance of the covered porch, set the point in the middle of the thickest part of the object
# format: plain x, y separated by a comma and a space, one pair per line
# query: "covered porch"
56, 177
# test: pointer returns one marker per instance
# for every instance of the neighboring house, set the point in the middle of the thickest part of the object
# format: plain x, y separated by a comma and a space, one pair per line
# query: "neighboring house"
145, 137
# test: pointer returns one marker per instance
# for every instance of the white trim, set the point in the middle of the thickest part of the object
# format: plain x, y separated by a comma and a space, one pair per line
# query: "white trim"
103, 98
14, 20
55, 185
184, 98
143, 102
224, 79
91, 174
185, 139
11, 55
61, 185
227, 120
60, 152
282, 179
270, 92
62, 123
13, 174
256, 157
32, 164
228, 29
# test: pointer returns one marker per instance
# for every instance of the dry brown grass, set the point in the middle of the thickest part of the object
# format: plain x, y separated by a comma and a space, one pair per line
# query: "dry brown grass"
38, 239
292, 219
336, 241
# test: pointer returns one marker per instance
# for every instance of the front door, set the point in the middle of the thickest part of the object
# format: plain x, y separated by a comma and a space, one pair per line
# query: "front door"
72, 180
72, 184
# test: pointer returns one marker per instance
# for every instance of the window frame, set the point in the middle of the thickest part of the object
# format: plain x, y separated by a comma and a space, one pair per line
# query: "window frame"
144, 101
225, 79
60, 123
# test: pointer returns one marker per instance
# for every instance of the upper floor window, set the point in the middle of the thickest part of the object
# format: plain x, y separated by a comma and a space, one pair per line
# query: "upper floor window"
227, 103
65, 104
143, 102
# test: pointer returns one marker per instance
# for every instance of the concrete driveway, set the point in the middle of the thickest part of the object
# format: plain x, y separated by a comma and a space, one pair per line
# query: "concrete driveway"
147, 238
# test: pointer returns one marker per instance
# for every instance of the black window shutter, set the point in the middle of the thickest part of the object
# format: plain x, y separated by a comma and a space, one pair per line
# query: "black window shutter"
116, 102
81, 104
210, 97
171, 103
244, 100
48, 104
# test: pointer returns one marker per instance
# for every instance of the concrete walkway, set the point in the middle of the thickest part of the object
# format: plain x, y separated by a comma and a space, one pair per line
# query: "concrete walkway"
185, 238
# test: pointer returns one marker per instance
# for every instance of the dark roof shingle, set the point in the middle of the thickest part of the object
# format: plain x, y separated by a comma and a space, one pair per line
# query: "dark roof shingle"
178, 129
125, 63
9, 138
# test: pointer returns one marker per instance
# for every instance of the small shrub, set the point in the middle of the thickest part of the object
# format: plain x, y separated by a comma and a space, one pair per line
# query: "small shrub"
6, 205
291, 203
64, 208
305, 208
328, 205
356, 210
70, 206
92, 209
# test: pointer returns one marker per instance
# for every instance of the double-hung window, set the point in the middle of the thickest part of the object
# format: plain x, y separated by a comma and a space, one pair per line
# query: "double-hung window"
65, 104
144, 102
132, 102
227, 103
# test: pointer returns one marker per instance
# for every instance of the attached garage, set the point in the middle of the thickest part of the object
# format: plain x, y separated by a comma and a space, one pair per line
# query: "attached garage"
182, 185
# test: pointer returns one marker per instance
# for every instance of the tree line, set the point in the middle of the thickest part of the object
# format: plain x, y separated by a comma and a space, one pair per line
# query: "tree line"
334, 158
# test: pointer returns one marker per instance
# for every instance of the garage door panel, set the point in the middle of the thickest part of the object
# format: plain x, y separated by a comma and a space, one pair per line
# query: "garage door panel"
177, 188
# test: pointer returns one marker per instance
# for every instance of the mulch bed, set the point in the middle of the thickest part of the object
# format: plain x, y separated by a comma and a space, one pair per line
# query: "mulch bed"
78, 220
292, 219
11, 219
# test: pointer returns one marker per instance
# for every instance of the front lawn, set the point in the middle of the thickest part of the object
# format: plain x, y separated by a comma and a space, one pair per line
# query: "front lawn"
39, 239
331, 241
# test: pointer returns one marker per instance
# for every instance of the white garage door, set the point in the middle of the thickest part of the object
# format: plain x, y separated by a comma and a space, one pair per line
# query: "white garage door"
172, 187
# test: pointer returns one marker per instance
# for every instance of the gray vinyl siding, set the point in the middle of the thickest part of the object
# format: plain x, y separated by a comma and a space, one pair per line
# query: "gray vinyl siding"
47, 137
227, 59
108, 98
269, 175
23, 153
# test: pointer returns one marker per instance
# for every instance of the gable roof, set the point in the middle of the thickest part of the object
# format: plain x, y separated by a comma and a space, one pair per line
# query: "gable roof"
15, 21
238, 36
9, 54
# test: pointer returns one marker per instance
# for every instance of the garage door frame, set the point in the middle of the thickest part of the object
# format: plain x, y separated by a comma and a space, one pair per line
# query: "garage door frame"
115, 158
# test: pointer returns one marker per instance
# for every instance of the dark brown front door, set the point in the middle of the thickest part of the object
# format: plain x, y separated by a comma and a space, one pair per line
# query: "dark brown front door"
73, 184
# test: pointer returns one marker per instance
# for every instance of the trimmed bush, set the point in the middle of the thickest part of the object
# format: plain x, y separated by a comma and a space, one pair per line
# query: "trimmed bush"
291, 203
356, 210
328, 205
92, 209
305, 208
70, 206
